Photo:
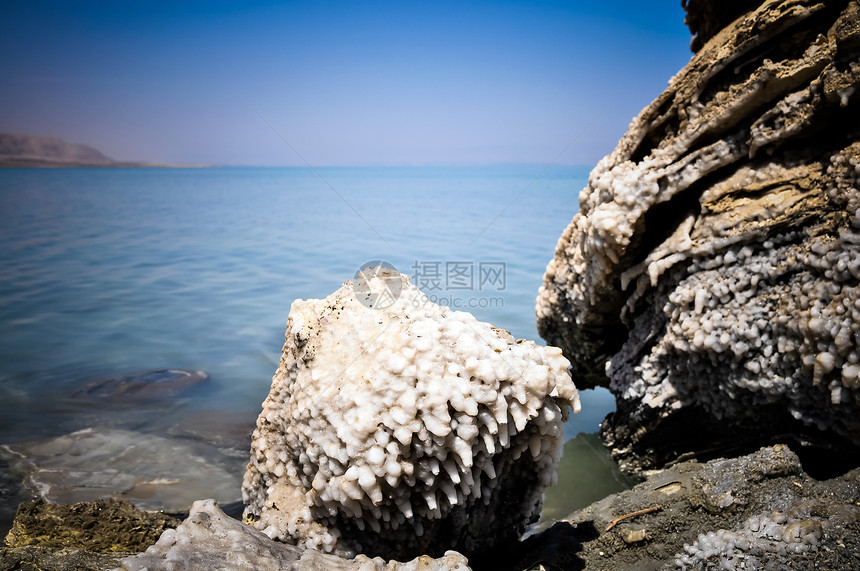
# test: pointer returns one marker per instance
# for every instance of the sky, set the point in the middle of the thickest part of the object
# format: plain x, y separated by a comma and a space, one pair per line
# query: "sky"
331, 83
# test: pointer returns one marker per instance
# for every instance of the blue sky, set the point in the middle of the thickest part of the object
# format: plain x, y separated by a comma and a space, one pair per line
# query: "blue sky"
345, 83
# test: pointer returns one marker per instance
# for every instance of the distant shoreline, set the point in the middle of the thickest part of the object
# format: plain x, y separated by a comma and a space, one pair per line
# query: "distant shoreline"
45, 151
45, 163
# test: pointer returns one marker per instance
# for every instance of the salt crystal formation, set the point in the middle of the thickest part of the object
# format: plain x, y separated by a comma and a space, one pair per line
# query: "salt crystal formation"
406, 430
777, 524
711, 278
209, 539
776, 532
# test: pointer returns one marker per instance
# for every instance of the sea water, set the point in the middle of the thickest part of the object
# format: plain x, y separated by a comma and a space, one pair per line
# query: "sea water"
107, 271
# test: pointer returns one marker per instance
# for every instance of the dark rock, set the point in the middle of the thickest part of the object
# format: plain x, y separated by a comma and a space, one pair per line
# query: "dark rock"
711, 276
706, 18
155, 384
759, 511
696, 503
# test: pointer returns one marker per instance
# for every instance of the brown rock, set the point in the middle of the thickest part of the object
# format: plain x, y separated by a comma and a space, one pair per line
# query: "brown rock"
84, 536
102, 526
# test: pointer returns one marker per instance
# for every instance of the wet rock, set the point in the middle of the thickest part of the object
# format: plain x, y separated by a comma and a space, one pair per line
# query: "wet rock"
94, 535
711, 276
151, 471
208, 539
406, 430
780, 518
155, 384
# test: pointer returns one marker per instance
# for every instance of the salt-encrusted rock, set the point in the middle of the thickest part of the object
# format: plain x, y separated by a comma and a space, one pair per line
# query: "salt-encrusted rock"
712, 275
208, 539
402, 431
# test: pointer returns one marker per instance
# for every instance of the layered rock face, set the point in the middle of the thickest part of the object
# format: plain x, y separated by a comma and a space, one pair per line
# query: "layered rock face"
406, 430
711, 278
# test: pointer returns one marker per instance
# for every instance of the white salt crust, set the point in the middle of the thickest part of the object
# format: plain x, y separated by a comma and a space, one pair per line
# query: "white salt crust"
748, 546
391, 419
209, 539
776, 321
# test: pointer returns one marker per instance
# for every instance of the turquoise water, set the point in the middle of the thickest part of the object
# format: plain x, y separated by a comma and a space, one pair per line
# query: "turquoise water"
110, 271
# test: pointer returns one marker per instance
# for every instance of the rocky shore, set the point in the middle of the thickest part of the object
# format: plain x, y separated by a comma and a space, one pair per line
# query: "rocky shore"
760, 511
86, 535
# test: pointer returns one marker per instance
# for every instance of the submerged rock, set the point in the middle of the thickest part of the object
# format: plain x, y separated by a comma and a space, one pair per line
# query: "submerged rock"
404, 430
712, 275
208, 539
155, 384
151, 471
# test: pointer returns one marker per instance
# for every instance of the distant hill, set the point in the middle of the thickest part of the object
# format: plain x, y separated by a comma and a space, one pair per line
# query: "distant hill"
42, 151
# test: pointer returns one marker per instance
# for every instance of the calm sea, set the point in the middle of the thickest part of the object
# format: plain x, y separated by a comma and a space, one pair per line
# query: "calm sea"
111, 271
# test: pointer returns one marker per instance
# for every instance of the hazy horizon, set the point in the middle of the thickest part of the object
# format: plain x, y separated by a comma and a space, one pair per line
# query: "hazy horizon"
376, 84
